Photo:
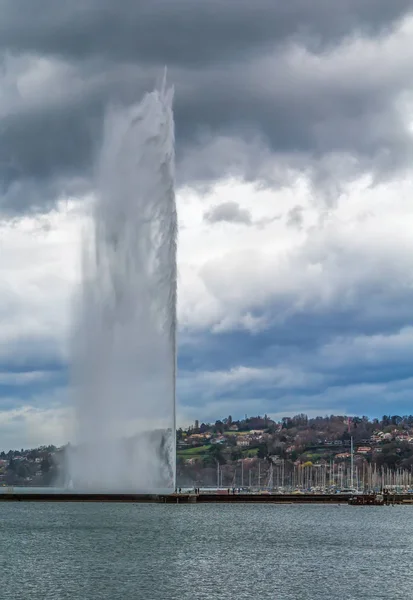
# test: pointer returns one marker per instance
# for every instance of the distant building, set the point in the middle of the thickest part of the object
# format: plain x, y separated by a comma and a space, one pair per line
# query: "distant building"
248, 460
199, 437
218, 440
243, 441
343, 455
364, 450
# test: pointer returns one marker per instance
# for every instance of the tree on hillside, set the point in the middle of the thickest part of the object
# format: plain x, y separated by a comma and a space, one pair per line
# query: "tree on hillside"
236, 453
45, 465
219, 427
215, 454
262, 451
22, 470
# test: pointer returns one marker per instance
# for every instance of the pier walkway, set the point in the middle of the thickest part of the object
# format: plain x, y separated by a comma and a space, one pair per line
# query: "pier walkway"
13, 495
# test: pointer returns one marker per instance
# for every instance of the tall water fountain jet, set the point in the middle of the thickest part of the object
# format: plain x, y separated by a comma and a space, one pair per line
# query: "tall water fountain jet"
124, 350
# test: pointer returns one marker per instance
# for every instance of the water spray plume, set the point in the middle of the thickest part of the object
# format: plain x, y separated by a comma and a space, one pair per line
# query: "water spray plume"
124, 347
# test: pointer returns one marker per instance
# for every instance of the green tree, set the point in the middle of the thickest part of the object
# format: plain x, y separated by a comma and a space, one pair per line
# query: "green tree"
46, 464
236, 453
22, 471
219, 427
216, 454
262, 451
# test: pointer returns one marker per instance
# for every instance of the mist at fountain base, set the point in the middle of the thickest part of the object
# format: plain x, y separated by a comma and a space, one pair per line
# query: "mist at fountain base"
124, 338
142, 464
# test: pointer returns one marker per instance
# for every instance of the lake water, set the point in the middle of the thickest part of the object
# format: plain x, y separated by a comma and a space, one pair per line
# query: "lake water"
168, 552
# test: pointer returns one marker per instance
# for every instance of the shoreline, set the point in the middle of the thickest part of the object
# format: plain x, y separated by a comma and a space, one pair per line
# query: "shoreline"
209, 498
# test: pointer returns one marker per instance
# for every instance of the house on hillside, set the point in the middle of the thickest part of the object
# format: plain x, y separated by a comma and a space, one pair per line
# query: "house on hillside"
248, 460
363, 450
218, 440
198, 438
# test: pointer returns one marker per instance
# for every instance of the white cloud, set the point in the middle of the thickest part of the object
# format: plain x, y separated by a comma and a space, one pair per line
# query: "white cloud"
222, 381
25, 378
226, 273
230, 277
27, 426
38, 267
379, 350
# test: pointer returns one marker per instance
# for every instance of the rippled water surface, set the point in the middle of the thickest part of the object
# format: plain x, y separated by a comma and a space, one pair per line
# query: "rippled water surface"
168, 552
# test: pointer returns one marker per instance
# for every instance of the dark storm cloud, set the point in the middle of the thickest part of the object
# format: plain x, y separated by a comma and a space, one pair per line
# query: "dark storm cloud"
247, 102
44, 155
182, 31
298, 336
307, 355
353, 374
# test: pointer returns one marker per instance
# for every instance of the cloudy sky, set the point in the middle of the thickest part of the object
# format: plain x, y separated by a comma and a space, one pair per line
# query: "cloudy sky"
294, 125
